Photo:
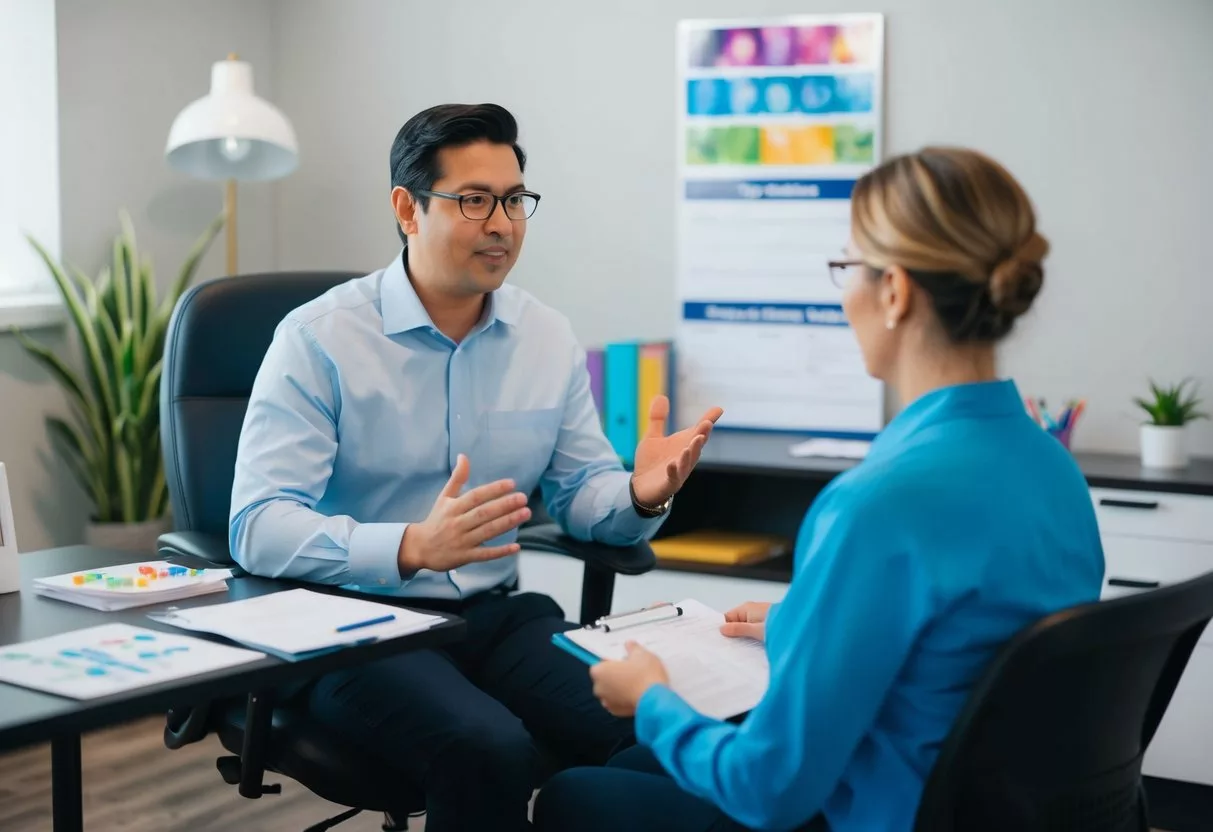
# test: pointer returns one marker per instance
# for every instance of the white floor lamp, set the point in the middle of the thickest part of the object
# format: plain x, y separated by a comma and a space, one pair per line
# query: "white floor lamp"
232, 134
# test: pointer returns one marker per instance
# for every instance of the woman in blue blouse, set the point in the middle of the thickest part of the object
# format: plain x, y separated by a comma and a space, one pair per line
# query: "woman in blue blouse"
965, 523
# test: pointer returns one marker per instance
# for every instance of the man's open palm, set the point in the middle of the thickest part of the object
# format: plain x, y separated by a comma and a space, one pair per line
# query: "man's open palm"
663, 463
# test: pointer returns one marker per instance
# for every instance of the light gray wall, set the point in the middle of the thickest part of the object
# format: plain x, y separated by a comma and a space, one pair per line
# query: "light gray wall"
126, 67
48, 508
1099, 106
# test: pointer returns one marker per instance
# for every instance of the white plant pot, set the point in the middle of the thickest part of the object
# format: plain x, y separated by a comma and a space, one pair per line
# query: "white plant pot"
137, 538
1164, 446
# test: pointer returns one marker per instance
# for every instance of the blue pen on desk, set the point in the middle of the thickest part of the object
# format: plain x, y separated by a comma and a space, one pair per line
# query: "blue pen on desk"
358, 625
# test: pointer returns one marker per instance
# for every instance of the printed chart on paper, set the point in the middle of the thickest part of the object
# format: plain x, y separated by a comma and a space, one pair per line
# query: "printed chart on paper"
777, 119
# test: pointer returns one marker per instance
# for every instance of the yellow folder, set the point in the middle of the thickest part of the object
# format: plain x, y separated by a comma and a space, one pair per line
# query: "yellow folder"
720, 547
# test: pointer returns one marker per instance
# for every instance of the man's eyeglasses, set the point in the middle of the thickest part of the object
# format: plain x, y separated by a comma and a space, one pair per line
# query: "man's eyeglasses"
519, 205
838, 270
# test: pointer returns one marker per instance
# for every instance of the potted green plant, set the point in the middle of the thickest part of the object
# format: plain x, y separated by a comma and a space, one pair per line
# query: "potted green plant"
1163, 439
112, 443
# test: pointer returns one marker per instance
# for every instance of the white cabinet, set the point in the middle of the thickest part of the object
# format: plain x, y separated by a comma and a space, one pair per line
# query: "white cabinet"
1150, 540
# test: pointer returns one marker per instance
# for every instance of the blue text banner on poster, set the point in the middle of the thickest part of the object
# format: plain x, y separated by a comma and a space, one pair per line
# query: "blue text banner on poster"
812, 314
769, 188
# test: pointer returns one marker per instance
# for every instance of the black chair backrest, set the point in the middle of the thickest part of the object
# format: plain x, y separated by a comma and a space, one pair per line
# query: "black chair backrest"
1053, 734
216, 340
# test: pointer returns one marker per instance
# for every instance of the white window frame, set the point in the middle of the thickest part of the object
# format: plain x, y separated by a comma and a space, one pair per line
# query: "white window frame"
29, 163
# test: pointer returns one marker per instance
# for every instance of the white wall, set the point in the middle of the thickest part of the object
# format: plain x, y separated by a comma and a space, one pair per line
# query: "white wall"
1099, 106
126, 67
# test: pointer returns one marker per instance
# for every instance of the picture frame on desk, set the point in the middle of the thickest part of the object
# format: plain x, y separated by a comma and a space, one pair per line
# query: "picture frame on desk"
10, 572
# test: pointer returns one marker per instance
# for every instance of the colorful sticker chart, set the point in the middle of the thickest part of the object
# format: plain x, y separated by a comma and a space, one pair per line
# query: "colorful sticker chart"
132, 585
112, 658
777, 119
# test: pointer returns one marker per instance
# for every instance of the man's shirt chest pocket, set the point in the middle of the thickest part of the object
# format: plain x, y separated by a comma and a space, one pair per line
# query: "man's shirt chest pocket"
519, 443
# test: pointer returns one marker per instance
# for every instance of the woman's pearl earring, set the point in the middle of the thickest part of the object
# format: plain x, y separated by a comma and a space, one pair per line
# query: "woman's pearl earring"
890, 324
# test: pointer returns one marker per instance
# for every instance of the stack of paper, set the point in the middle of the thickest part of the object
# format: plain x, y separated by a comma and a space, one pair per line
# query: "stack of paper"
718, 676
837, 448
300, 622
132, 585
112, 658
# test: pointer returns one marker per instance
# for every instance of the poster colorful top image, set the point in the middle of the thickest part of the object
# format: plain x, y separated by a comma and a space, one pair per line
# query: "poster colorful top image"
776, 121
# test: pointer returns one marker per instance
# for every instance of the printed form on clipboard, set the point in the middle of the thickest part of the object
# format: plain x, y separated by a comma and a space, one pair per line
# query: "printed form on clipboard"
718, 676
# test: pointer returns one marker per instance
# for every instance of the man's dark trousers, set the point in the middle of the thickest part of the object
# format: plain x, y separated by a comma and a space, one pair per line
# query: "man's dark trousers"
479, 724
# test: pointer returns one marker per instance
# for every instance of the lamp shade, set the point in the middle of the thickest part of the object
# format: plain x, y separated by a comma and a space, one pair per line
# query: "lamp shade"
231, 133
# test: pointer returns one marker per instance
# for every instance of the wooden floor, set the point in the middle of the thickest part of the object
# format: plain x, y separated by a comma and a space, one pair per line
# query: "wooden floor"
134, 784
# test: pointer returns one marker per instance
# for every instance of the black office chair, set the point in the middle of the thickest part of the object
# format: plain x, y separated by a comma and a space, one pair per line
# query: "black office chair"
216, 341
1053, 735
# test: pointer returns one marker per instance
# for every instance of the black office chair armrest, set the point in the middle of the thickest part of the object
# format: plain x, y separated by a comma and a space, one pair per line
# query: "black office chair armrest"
602, 562
625, 560
199, 550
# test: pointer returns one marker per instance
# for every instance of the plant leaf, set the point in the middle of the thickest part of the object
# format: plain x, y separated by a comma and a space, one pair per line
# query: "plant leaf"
88, 335
66, 377
149, 400
121, 287
79, 459
186, 275
156, 494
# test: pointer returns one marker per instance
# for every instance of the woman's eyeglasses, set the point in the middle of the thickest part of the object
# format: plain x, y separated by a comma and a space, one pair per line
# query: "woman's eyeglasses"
838, 270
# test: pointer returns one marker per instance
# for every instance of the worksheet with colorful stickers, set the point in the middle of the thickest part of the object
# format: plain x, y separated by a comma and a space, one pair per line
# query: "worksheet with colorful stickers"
112, 658
132, 585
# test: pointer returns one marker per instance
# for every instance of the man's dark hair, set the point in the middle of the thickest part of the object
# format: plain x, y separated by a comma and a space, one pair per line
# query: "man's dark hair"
414, 157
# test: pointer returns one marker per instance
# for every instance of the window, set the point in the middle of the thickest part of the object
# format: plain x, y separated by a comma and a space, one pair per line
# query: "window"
29, 162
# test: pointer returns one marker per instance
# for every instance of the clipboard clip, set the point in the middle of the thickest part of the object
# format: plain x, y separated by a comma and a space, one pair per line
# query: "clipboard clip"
645, 615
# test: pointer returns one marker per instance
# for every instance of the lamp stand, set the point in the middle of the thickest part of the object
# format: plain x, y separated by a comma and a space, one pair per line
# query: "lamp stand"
229, 208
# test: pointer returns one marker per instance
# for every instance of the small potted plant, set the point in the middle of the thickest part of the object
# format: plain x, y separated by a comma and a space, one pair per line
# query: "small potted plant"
1163, 439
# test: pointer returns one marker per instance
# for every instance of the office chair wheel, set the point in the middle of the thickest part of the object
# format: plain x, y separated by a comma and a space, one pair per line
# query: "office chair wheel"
229, 770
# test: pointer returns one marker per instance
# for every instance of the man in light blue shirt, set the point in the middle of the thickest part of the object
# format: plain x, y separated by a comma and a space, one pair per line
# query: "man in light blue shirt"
393, 434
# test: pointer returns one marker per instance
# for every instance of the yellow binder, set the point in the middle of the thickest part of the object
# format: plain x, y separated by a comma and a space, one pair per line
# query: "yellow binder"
652, 381
720, 547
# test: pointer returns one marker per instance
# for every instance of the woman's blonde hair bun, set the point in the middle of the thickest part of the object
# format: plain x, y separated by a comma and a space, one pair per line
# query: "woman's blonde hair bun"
1015, 281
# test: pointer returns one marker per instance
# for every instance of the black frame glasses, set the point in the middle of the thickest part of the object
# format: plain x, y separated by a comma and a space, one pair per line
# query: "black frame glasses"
522, 208
838, 270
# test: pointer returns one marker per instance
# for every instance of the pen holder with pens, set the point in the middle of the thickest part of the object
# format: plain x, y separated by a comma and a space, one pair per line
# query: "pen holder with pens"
1061, 426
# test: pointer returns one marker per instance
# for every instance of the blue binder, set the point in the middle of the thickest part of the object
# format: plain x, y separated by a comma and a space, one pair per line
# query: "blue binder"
622, 359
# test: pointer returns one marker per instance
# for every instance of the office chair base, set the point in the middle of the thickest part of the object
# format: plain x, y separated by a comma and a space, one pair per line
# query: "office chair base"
389, 823
326, 825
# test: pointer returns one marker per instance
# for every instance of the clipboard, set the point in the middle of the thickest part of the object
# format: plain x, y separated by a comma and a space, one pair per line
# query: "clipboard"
718, 676
651, 614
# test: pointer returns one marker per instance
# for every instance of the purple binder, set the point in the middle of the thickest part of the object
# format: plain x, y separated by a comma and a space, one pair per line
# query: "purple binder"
595, 364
